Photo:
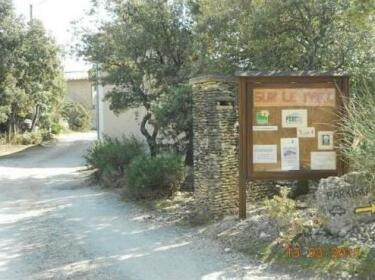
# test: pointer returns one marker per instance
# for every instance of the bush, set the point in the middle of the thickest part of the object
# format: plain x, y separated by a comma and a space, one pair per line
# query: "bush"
78, 117
155, 177
46, 135
281, 208
56, 128
113, 155
359, 130
28, 138
291, 222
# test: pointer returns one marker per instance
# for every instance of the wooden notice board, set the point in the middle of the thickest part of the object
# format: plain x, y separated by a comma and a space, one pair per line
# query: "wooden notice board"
290, 125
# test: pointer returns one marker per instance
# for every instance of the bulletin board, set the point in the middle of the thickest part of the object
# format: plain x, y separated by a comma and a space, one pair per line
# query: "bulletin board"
290, 126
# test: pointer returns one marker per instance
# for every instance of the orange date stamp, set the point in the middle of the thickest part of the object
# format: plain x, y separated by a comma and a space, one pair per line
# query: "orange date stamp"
336, 252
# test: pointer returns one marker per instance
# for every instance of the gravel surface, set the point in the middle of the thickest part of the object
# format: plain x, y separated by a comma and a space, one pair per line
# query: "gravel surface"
53, 225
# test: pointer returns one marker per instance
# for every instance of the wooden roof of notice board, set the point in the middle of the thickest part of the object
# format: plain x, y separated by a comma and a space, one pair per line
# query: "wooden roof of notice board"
241, 73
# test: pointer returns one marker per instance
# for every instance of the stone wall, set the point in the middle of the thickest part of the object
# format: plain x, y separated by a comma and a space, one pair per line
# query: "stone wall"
216, 171
258, 190
216, 147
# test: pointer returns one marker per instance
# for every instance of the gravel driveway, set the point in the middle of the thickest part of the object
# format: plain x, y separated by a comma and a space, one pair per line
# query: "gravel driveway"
54, 226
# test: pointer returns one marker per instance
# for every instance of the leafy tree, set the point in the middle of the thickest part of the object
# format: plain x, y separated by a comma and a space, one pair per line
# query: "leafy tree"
30, 72
174, 114
148, 49
11, 96
144, 51
285, 35
42, 71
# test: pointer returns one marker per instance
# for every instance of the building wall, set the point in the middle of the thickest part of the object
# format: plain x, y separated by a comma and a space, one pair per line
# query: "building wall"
81, 91
125, 124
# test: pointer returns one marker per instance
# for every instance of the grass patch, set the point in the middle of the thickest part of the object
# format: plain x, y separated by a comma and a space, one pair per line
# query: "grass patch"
359, 131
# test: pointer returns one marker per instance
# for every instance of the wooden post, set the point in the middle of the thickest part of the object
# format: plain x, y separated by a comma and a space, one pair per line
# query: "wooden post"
242, 149
31, 12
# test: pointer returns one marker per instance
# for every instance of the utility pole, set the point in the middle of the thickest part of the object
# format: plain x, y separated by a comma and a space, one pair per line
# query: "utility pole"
31, 12
31, 7
98, 100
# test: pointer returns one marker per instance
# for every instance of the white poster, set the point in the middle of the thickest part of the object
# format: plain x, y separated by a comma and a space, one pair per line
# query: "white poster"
325, 140
294, 118
323, 161
265, 153
265, 128
305, 132
289, 154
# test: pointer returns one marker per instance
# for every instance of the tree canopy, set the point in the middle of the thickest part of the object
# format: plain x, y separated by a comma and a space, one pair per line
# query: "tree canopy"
149, 49
143, 51
285, 35
30, 72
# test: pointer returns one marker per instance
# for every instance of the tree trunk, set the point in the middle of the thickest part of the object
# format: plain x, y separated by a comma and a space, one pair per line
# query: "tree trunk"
150, 138
11, 126
14, 126
9, 132
36, 117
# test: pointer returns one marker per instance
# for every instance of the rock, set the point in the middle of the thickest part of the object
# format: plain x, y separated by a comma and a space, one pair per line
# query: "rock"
336, 199
227, 250
344, 231
200, 217
315, 231
263, 235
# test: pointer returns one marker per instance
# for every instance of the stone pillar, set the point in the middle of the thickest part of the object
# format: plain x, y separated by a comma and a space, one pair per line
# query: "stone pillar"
215, 120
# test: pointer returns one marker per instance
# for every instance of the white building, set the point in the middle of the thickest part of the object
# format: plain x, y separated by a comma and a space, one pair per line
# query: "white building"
80, 89
125, 124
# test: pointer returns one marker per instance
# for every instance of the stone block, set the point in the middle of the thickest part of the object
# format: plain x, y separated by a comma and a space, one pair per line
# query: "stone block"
338, 197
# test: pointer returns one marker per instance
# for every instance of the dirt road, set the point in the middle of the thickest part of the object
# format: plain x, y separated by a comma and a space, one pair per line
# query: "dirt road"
54, 226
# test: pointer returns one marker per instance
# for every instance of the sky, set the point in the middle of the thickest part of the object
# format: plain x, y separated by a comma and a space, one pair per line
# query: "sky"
57, 16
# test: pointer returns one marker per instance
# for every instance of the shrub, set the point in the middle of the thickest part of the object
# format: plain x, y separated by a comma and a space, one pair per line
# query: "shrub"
155, 177
46, 135
280, 207
56, 128
28, 138
292, 223
113, 155
359, 130
78, 117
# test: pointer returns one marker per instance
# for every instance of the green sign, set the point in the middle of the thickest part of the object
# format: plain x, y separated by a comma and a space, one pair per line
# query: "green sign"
262, 117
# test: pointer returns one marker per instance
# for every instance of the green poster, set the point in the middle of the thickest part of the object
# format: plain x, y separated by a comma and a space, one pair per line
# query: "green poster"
262, 117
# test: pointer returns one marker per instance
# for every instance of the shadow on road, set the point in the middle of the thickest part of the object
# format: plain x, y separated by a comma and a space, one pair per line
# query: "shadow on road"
57, 155
59, 228
54, 225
